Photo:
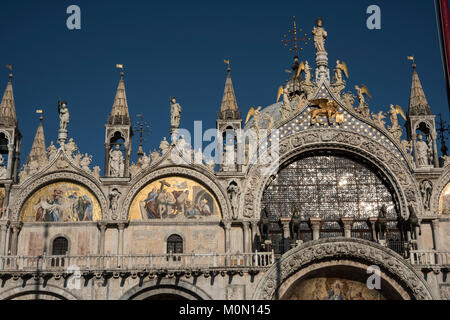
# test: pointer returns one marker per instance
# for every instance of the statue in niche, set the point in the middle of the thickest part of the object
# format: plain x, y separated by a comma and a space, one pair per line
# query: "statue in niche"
116, 162
3, 170
229, 153
234, 194
426, 188
320, 36
114, 196
423, 151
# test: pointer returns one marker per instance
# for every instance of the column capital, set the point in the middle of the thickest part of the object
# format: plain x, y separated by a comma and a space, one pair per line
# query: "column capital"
102, 225
315, 222
17, 226
347, 222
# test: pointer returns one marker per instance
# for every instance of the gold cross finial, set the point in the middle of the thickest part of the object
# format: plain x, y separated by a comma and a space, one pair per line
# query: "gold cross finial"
295, 41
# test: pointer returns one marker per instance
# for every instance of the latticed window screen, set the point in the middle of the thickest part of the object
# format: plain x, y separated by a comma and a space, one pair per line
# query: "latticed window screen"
60, 246
174, 244
329, 187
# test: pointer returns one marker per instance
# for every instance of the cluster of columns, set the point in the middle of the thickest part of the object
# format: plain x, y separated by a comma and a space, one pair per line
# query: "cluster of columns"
103, 226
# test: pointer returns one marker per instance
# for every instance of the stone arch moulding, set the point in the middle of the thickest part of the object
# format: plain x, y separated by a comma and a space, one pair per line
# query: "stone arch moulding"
42, 180
203, 178
398, 174
30, 289
438, 188
361, 251
164, 286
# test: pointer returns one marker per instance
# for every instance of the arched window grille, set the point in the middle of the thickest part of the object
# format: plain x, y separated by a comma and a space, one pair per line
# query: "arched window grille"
330, 187
60, 247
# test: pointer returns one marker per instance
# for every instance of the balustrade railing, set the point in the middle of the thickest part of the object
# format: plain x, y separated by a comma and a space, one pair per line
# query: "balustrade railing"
430, 258
137, 262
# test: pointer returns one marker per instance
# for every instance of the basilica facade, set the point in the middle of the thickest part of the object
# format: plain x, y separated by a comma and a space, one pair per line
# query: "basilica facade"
307, 199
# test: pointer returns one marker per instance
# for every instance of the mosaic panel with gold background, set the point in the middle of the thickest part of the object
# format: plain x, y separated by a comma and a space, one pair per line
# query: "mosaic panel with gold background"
2, 196
61, 202
332, 289
174, 198
444, 201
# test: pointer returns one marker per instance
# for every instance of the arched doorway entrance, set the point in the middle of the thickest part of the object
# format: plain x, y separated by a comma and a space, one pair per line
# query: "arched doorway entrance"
334, 269
166, 289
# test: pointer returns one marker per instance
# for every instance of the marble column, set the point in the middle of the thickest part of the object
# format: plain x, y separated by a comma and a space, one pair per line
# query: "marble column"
245, 227
3, 239
227, 225
101, 241
10, 160
347, 223
315, 224
436, 238
16, 227
254, 227
372, 222
121, 228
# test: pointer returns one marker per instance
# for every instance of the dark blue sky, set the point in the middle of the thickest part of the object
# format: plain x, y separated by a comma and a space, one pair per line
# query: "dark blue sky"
177, 49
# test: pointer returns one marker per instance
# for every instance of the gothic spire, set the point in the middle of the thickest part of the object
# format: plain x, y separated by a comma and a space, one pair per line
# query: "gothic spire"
7, 106
119, 114
418, 105
38, 153
229, 108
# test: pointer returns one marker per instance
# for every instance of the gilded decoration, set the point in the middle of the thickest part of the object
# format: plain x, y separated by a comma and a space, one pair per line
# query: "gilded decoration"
61, 202
174, 198
332, 289
444, 201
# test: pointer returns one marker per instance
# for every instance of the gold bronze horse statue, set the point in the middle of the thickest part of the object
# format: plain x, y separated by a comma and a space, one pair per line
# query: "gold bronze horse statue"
327, 108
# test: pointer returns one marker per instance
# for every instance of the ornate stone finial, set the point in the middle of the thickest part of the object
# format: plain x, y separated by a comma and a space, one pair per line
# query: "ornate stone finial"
320, 36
